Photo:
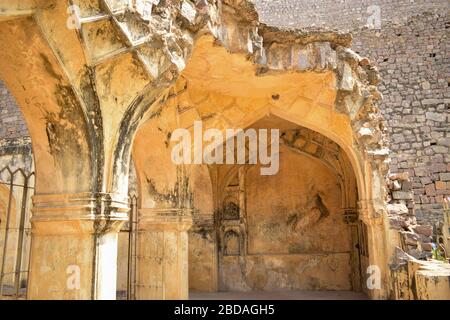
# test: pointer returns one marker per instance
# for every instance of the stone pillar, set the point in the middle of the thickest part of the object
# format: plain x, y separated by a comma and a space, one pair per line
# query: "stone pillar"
351, 219
74, 245
378, 256
162, 261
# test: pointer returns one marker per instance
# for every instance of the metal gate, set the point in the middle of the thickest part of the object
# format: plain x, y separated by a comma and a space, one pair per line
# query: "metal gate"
130, 228
16, 190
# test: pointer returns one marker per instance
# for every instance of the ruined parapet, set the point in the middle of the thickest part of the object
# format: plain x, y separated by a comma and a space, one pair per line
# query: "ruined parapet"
417, 279
443, 237
416, 270
300, 50
276, 50
416, 239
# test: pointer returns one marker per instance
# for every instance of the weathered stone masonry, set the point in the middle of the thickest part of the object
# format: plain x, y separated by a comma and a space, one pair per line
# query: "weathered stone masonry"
411, 52
122, 84
415, 67
12, 124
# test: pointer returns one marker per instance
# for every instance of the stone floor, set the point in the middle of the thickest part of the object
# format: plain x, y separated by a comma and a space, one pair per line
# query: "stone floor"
279, 295
9, 293
257, 295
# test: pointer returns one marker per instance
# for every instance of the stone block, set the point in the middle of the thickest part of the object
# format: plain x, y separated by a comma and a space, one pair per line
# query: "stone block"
444, 142
407, 185
399, 176
440, 149
397, 209
438, 117
425, 230
440, 185
426, 246
421, 171
428, 102
430, 190
433, 283
402, 195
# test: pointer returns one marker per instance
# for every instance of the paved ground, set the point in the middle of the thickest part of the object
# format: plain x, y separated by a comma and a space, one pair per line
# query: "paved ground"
279, 295
257, 295
9, 293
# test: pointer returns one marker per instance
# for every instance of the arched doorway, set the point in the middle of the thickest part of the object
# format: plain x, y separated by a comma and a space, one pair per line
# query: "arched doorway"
227, 91
295, 230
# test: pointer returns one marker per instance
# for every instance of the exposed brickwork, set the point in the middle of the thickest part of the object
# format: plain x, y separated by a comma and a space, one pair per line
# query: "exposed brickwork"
415, 68
411, 51
12, 124
348, 15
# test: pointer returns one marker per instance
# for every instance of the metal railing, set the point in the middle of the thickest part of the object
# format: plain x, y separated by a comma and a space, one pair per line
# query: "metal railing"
15, 231
131, 228
16, 190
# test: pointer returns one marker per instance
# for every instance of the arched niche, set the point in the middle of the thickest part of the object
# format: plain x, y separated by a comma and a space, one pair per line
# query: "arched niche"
316, 186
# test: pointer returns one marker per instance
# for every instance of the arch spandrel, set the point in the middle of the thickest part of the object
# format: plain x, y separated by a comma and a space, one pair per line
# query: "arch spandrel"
50, 107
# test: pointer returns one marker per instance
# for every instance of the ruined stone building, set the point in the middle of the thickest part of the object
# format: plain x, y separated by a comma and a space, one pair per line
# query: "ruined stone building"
92, 205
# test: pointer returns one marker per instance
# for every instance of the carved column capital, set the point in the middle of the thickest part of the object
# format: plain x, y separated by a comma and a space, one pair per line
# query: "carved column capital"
350, 215
367, 211
79, 212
